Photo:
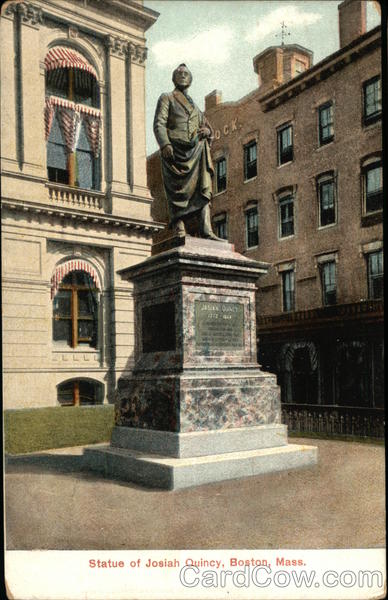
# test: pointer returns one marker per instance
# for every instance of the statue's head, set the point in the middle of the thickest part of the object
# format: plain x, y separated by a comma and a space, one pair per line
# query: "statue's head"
182, 77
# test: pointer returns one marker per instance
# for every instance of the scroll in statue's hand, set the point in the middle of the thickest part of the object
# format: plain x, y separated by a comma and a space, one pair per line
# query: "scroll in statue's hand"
168, 153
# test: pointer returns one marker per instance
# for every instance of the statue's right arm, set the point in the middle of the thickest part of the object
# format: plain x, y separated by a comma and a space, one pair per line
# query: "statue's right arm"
160, 121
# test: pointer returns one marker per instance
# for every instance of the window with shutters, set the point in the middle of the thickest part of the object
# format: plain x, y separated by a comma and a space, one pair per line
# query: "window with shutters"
57, 166
72, 119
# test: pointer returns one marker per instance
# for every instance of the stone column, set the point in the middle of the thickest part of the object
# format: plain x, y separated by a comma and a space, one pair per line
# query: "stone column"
8, 96
31, 91
116, 120
136, 122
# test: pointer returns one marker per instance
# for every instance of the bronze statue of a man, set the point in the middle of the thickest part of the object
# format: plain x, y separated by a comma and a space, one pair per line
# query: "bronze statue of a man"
184, 137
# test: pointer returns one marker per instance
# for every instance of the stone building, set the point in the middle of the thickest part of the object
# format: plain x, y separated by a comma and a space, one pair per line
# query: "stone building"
76, 206
298, 184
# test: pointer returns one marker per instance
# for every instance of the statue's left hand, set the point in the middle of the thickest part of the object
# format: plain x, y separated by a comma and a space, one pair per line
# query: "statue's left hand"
204, 132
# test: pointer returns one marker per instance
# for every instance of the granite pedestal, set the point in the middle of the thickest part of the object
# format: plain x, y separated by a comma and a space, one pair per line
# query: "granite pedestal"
197, 408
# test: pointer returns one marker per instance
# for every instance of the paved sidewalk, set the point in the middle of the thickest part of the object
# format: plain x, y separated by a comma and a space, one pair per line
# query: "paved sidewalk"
52, 504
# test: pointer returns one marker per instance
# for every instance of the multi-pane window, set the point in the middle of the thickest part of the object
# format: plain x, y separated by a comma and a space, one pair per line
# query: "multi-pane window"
326, 123
250, 160
72, 119
372, 100
288, 278
75, 310
327, 212
221, 175
285, 144
220, 226
79, 392
286, 216
376, 275
252, 227
329, 284
373, 186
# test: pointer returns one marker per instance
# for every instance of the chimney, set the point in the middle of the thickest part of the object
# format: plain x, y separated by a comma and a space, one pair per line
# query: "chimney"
279, 64
352, 20
213, 99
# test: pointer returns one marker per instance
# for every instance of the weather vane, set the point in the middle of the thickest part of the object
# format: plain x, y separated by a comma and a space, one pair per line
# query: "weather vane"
283, 33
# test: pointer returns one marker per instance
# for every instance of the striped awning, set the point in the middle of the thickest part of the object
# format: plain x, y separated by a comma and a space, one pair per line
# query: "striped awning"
72, 265
62, 57
82, 108
70, 115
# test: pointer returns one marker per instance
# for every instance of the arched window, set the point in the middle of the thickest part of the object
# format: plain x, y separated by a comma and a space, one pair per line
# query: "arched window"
69, 75
72, 119
80, 392
75, 310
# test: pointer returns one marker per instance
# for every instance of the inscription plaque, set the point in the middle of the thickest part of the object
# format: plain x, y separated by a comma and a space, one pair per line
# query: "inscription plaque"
219, 325
158, 327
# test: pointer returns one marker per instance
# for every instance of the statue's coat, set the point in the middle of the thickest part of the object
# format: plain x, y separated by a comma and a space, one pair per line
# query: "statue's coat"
188, 178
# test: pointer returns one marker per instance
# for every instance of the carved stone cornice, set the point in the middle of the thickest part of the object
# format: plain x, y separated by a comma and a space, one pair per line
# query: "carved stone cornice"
30, 14
121, 48
116, 46
10, 11
137, 54
38, 210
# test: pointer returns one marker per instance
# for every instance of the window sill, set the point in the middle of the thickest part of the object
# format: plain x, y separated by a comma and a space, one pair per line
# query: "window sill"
324, 145
249, 180
219, 193
65, 349
370, 219
251, 248
286, 237
289, 162
323, 227
376, 121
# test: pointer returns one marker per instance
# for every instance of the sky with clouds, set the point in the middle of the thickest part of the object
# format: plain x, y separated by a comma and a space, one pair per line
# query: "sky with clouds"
218, 39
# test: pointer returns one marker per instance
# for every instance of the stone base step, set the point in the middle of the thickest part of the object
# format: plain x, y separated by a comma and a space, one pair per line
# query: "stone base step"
199, 443
177, 473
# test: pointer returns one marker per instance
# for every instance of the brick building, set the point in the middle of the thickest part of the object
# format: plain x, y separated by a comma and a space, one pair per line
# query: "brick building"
299, 185
75, 202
